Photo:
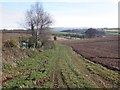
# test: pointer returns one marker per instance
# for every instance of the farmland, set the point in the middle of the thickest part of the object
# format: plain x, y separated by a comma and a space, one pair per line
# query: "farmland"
15, 34
112, 31
99, 50
75, 46
56, 68
62, 67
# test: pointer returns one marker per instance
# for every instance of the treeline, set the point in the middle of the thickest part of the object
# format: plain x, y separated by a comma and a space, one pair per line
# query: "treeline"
82, 33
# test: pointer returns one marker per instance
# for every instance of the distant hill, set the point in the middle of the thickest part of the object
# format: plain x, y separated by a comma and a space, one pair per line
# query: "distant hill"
91, 32
81, 31
59, 29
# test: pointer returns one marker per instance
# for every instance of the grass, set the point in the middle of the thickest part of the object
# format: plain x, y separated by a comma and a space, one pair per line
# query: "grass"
65, 68
105, 73
112, 32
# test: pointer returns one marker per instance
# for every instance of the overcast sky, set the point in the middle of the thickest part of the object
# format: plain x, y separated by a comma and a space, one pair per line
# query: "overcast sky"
66, 13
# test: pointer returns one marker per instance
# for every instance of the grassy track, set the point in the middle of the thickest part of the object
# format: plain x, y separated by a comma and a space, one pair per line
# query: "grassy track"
58, 68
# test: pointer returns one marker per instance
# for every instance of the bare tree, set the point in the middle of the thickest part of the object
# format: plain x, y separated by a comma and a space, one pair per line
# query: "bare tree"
37, 19
29, 21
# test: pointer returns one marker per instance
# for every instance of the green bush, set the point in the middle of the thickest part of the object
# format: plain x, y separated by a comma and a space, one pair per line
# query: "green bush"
11, 43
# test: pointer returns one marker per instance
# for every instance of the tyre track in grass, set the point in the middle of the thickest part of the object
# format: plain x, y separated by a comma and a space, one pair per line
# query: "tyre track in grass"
63, 79
62, 76
101, 80
81, 80
86, 73
71, 72
59, 79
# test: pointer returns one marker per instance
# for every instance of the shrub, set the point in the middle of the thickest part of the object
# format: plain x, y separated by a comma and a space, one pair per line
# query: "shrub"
11, 43
31, 42
48, 45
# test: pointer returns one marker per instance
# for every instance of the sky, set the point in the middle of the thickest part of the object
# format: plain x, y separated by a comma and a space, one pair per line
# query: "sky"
65, 13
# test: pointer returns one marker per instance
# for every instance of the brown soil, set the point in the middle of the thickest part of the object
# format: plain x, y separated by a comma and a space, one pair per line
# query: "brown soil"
99, 50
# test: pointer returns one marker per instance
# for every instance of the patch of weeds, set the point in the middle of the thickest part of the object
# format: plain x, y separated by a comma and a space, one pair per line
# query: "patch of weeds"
15, 83
47, 85
34, 76
103, 72
90, 69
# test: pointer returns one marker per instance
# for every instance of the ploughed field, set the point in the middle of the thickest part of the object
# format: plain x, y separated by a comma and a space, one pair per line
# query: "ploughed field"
15, 34
103, 51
